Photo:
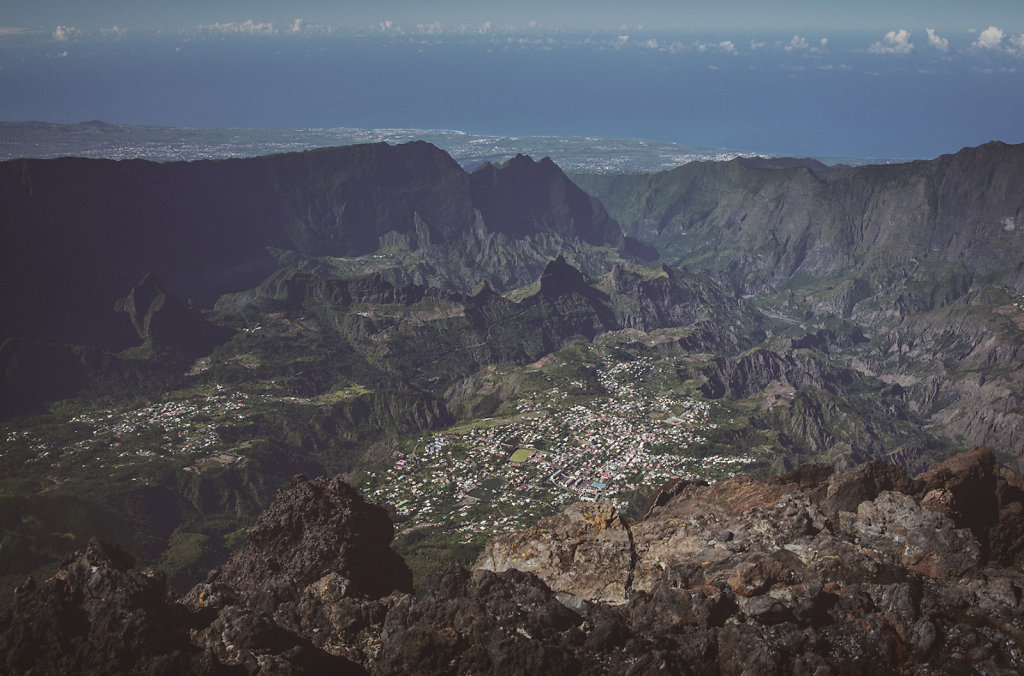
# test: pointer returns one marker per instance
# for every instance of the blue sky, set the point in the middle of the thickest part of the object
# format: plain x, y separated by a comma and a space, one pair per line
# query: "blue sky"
908, 79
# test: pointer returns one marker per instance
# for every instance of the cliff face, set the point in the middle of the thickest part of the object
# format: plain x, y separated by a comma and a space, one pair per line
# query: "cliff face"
865, 570
522, 197
763, 224
79, 233
922, 259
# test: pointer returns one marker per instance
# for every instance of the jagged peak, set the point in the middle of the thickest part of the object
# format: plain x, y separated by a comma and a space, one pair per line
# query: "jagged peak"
559, 277
521, 163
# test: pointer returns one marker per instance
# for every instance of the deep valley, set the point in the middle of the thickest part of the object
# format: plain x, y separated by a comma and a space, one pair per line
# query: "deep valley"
478, 352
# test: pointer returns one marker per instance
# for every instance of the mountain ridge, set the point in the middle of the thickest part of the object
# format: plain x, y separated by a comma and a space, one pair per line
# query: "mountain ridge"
373, 301
765, 224
82, 232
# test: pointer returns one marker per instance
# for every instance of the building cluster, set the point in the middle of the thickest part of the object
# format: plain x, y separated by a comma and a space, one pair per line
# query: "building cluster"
560, 448
114, 437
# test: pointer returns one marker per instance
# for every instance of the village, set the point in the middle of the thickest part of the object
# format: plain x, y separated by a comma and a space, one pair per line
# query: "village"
611, 438
507, 474
115, 438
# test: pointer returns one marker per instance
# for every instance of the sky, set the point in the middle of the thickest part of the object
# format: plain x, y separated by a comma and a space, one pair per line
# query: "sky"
907, 79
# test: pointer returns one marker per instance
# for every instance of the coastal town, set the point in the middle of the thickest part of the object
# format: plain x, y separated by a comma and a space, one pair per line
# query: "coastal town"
506, 474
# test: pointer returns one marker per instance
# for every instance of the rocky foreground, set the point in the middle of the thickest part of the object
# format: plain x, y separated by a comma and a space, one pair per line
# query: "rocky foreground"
861, 571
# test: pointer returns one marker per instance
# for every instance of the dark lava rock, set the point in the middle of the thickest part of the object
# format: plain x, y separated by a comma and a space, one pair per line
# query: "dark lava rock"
98, 615
507, 623
314, 528
849, 488
864, 571
976, 493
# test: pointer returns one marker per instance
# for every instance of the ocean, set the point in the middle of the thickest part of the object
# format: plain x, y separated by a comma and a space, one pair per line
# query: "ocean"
836, 100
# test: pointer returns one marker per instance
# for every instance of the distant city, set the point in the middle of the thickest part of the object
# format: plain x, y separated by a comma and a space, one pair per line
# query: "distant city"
98, 139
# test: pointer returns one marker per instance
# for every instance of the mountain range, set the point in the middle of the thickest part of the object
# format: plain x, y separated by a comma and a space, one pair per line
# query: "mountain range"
179, 339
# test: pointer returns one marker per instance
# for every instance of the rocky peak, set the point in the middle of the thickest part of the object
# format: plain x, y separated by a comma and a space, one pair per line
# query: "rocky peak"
522, 197
860, 571
559, 278
869, 568
162, 319
314, 528
98, 615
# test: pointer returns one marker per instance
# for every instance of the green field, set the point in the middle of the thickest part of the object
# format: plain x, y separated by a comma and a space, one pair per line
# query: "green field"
520, 456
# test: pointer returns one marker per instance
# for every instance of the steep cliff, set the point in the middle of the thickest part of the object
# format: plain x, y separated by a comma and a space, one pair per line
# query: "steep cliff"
80, 232
764, 224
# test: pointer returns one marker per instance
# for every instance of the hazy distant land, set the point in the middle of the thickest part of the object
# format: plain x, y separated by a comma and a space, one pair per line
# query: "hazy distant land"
164, 144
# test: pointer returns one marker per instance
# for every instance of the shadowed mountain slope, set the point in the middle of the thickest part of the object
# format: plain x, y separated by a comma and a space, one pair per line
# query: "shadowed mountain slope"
79, 233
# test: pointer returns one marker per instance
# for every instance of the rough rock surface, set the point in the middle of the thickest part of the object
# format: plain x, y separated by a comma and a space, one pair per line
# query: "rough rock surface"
312, 529
98, 615
859, 571
816, 572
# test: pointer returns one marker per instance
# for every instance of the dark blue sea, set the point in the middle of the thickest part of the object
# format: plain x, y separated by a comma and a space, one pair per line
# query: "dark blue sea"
836, 102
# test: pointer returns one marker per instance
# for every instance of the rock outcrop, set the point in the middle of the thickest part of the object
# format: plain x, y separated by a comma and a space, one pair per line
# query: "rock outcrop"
163, 320
98, 615
314, 529
817, 572
865, 570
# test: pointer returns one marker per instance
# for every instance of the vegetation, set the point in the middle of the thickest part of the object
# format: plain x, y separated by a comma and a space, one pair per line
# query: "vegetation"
490, 322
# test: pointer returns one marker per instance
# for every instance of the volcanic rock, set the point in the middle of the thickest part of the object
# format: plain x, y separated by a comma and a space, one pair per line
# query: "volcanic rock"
312, 529
814, 572
98, 615
744, 576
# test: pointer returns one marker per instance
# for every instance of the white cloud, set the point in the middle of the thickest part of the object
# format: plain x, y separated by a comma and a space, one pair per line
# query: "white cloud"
300, 27
894, 42
248, 27
14, 30
113, 32
389, 26
990, 38
726, 46
65, 33
941, 44
1017, 44
797, 43
486, 27
435, 28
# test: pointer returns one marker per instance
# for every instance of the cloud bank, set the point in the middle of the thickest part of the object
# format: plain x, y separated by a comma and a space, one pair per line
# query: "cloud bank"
894, 42
941, 44
62, 33
990, 38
